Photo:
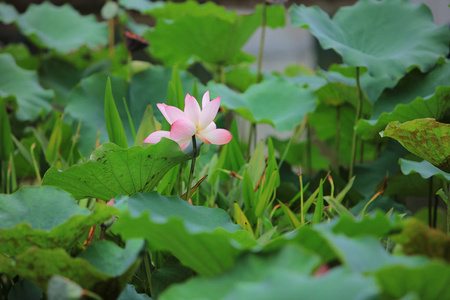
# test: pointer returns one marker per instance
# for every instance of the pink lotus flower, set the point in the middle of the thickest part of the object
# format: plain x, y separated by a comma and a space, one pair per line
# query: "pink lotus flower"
192, 121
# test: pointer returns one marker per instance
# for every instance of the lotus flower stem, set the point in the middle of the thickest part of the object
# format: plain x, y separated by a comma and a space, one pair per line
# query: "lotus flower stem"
338, 136
308, 150
261, 42
430, 202
148, 274
191, 173
358, 115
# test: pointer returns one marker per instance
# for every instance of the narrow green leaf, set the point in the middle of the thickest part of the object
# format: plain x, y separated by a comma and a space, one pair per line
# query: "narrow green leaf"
248, 191
272, 165
340, 209
172, 101
290, 215
6, 143
241, 219
147, 126
235, 156
257, 164
53, 146
130, 120
195, 92
178, 88
318, 211
345, 190
116, 133
165, 187
266, 195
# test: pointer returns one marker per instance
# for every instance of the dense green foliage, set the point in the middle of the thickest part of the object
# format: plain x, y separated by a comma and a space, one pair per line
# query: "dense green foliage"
89, 211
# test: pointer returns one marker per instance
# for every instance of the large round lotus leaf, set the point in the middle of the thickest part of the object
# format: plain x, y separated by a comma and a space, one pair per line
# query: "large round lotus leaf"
104, 268
46, 217
113, 170
33, 100
425, 138
8, 13
277, 102
424, 282
61, 28
202, 238
386, 36
214, 36
435, 107
285, 274
424, 168
414, 84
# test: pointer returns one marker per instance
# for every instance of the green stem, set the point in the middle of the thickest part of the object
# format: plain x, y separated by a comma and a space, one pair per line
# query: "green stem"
338, 136
148, 274
361, 152
308, 150
302, 214
35, 164
430, 202
191, 173
261, 42
358, 115
250, 135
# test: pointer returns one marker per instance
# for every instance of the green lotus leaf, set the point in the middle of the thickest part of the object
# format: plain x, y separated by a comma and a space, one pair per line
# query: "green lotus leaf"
364, 39
365, 254
425, 138
424, 282
104, 268
33, 100
129, 293
112, 170
285, 273
434, 106
8, 13
377, 225
414, 84
423, 168
202, 238
372, 87
338, 94
277, 102
417, 238
190, 34
25, 289
46, 217
61, 76
142, 6
64, 29
171, 272
22, 56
